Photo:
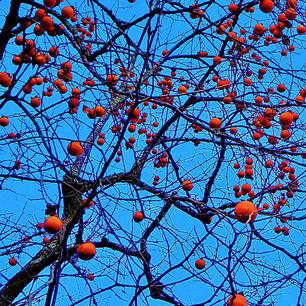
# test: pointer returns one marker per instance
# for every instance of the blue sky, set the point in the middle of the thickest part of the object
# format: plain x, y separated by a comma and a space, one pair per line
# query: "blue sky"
112, 213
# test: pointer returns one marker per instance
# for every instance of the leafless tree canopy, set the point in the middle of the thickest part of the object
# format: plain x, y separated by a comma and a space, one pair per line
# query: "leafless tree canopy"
169, 136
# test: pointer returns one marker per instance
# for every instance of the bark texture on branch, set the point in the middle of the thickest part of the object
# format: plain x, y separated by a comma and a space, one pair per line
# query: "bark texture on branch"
51, 252
10, 22
43, 259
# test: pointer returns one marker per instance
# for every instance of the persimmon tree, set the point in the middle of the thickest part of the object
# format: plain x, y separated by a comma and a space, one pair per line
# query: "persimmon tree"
152, 152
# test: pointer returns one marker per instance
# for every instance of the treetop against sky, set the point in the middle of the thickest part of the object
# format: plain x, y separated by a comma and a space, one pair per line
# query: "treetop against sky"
152, 152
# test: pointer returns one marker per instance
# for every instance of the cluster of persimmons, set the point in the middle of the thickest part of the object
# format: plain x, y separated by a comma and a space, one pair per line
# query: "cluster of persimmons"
245, 211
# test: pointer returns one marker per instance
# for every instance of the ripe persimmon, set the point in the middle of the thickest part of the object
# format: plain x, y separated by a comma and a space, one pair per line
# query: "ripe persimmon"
215, 123
291, 48
63, 89
247, 82
100, 141
38, 30
200, 264
272, 140
249, 161
64, 75
233, 7
53, 225
237, 300
246, 188
68, 12
245, 211
91, 203
281, 87
40, 13
66, 66
4, 121
39, 81
75, 148
19, 40
258, 29
5, 79
187, 185
277, 229
134, 114
86, 250
12, 261
257, 136
290, 13
74, 102
47, 23
266, 6
35, 102
11, 135
285, 134
49, 3
75, 91
39, 59
53, 51
217, 60
182, 89
236, 166
111, 80
132, 128
91, 114
138, 216
202, 54
268, 164
301, 29
46, 240
227, 100
57, 83
165, 52
39, 225
100, 111
291, 4
132, 140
